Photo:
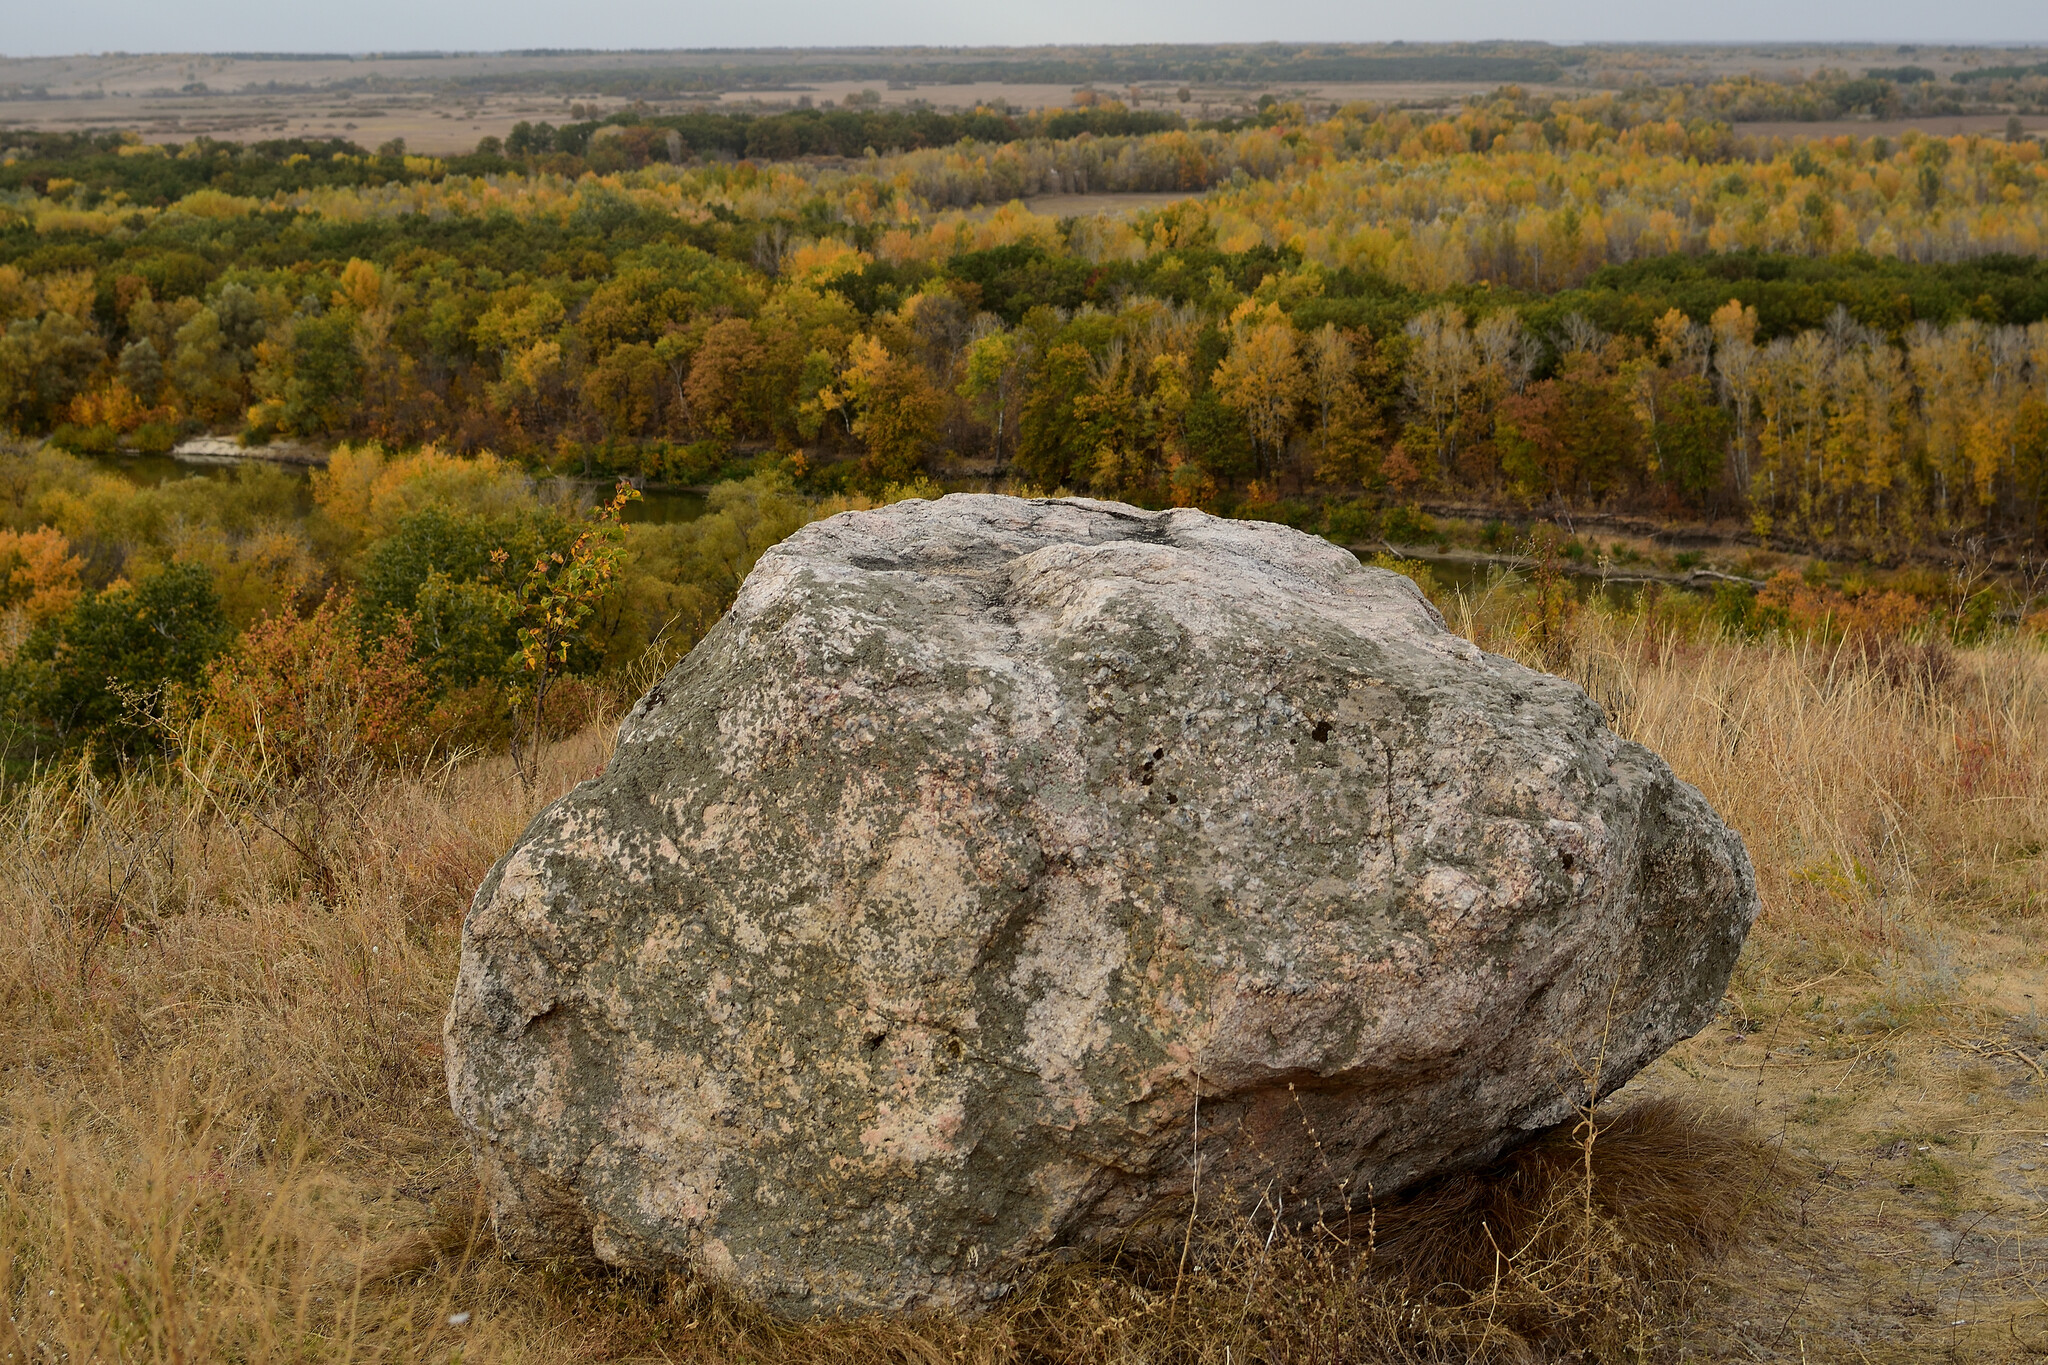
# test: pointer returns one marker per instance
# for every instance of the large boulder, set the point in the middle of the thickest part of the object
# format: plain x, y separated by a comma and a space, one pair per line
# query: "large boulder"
992, 855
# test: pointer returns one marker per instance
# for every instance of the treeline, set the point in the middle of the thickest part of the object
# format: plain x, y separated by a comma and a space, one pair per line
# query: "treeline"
1230, 64
1900, 92
1668, 170
1883, 92
1208, 379
1297, 334
1492, 193
1999, 73
117, 168
844, 133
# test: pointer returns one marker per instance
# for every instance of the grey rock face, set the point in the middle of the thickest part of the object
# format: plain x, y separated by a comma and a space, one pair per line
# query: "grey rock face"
986, 840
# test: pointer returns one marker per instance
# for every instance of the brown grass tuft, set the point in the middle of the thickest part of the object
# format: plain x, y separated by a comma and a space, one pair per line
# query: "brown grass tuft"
1669, 1187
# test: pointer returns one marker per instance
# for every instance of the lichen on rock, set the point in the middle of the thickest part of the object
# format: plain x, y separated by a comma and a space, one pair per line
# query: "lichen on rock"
986, 841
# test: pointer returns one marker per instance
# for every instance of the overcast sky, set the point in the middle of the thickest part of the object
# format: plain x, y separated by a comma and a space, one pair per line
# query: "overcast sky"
46, 27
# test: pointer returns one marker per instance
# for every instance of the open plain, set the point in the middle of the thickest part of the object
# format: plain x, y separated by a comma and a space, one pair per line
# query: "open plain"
443, 103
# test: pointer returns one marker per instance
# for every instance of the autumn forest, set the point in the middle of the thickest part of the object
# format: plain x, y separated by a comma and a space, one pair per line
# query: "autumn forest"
1536, 306
386, 437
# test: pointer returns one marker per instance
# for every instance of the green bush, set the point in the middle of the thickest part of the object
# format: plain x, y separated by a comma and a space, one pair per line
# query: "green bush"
1352, 523
154, 438
1734, 607
1407, 525
89, 676
1976, 616
93, 440
697, 462
437, 568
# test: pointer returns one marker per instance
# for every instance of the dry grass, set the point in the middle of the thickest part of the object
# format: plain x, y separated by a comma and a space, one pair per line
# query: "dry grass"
223, 1134
1882, 1028
1893, 798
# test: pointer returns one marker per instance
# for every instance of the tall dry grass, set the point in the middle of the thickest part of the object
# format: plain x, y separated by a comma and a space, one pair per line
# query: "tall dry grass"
223, 1134
1893, 795
222, 1115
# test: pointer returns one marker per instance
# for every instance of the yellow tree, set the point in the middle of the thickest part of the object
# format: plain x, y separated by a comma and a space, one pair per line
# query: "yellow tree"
1735, 363
895, 408
1163, 340
1333, 384
39, 581
362, 287
1171, 375
1262, 380
1946, 365
1440, 367
1995, 432
1683, 345
1794, 377
1865, 442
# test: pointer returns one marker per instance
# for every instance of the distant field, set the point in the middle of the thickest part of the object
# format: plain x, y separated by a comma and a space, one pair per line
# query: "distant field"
444, 104
441, 104
439, 125
440, 122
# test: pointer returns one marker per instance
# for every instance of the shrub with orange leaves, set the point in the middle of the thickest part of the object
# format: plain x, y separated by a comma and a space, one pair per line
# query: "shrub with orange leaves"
1790, 603
38, 582
112, 405
309, 692
38, 573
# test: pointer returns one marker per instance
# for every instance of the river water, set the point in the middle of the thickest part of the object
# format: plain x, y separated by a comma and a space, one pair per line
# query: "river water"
655, 505
662, 505
1473, 578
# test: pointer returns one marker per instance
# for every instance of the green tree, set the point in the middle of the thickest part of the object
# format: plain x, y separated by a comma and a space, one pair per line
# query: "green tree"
1570, 437
1052, 448
717, 388
90, 675
43, 363
1690, 436
555, 602
441, 571
989, 382
324, 377
204, 367
627, 389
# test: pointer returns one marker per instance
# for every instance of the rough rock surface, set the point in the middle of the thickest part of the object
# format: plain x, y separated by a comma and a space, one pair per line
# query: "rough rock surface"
925, 899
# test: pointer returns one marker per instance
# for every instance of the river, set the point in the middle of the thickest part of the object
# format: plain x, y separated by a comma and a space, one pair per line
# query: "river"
663, 505
655, 505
